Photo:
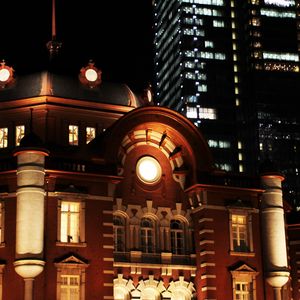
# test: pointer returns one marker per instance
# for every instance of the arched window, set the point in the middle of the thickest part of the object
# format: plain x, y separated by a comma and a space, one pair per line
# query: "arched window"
120, 293
150, 293
177, 237
119, 234
147, 235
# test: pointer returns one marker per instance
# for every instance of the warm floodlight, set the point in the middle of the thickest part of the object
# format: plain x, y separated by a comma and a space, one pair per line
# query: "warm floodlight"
148, 170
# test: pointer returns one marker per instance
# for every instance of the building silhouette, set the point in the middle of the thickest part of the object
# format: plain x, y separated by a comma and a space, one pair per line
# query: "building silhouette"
232, 67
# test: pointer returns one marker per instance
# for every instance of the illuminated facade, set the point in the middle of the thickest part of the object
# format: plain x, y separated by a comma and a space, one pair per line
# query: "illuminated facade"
104, 198
234, 65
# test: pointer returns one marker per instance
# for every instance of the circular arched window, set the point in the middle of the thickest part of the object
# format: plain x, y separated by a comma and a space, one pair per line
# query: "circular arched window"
148, 170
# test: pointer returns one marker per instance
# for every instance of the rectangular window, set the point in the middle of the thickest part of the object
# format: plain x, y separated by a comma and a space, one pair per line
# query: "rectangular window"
207, 113
90, 134
69, 223
70, 287
20, 132
191, 112
239, 233
73, 135
3, 137
242, 291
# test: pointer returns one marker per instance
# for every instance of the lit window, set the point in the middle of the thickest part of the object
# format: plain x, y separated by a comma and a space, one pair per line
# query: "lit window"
191, 112
119, 234
177, 237
70, 287
20, 132
239, 233
147, 235
71, 278
90, 134
73, 135
71, 221
240, 146
241, 168
207, 113
3, 137
240, 156
244, 282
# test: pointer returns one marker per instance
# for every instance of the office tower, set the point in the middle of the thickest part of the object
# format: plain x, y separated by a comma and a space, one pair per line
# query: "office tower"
232, 67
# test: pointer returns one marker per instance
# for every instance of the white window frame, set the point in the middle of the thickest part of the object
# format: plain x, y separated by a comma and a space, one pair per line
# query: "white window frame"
244, 275
81, 238
71, 266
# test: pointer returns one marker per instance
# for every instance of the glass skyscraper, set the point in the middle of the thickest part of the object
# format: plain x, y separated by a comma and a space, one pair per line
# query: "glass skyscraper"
232, 67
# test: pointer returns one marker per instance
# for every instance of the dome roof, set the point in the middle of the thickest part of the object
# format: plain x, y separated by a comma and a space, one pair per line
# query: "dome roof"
50, 84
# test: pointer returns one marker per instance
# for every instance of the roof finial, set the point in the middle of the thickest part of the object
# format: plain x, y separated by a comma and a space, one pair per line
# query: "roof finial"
53, 45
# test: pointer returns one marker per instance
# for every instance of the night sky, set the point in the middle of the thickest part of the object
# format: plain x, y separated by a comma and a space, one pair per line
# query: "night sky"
117, 35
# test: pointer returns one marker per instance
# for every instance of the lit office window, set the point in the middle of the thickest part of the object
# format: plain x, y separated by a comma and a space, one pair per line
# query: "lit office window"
20, 132
3, 137
90, 134
73, 135
207, 113
241, 168
280, 3
218, 23
208, 44
202, 88
191, 112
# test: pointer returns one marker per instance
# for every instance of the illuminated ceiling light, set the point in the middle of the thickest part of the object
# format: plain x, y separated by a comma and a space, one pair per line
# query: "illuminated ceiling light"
148, 170
6, 75
90, 75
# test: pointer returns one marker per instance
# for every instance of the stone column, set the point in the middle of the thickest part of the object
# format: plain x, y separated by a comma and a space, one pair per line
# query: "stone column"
273, 233
29, 261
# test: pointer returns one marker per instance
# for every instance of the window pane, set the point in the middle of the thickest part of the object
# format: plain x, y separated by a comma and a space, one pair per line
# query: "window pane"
73, 135
20, 132
70, 222
3, 137
90, 134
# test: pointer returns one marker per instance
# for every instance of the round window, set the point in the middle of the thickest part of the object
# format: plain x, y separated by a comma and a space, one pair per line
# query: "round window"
148, 170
